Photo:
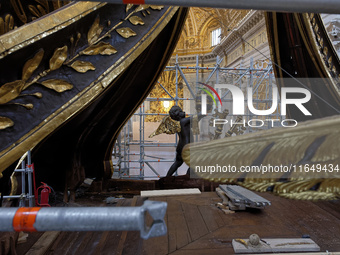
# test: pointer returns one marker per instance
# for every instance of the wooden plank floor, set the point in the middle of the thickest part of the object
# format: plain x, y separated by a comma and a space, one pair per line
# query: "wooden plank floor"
196, 226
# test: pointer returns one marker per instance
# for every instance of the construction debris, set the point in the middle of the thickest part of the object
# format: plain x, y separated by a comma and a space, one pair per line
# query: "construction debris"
256, 245
241, 198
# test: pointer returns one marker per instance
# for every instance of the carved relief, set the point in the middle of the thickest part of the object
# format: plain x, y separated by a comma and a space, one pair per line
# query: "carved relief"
25, 12
324, 48
66, 56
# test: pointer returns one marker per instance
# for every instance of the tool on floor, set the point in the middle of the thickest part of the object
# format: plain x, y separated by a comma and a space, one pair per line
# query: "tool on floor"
255, 244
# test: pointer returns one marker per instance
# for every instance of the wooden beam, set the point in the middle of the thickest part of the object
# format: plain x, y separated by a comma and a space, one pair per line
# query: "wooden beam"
169, 192
43, 243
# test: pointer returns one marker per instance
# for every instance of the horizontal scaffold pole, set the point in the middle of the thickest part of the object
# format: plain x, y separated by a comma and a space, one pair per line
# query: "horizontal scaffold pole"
32, 219
315, 6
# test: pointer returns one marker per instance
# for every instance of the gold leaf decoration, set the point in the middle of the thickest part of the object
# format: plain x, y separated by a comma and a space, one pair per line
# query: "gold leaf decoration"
58, 58
34, 10
5, 122
82, 66
167, 126
37, 94
135, 20
102, 48
42, 10
156, 7
27, 106
57, 4
142, 7
10, 91
45, 4
31, 65
19, 10
94, 31
126, 32
57, 85
128, 7
9, 23
310, 195
2, 26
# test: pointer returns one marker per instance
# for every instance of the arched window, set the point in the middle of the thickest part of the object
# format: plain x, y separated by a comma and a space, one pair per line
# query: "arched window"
215, 36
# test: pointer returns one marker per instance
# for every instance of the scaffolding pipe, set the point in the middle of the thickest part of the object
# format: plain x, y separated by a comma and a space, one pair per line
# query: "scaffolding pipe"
165, 99
32, 219
169, 68
317, 6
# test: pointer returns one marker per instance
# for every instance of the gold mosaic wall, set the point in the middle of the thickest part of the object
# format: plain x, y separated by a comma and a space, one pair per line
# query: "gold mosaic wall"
168, 81
195, 39
196, 35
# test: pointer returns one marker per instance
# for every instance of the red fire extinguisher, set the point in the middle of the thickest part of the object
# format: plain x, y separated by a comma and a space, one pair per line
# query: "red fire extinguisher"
44, 195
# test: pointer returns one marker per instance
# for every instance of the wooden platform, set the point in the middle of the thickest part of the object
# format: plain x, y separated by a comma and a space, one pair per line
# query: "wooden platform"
196, 226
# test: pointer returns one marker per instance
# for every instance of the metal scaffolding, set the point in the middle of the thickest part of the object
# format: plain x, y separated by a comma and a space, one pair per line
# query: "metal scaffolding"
26, 169
133, 164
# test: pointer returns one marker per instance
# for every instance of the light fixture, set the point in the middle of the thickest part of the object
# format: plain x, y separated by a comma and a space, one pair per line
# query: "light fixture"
166, 104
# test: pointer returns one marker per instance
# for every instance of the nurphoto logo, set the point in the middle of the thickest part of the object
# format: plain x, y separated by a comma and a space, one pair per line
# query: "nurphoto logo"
238, 99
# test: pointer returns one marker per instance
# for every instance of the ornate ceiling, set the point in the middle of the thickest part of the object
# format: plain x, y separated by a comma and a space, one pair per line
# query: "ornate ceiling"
195, 38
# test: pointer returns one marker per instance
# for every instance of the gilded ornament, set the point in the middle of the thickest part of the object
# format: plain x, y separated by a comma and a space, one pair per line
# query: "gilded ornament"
9, 23
320, 41
27, 106
36, 94
34, 11
135, 20
126, 32
58, 58
94, 32
82, 66
142, 7
334, 69
325, 52
19, 10
102, 48
128, 7
167, 126
10, 91
156, 7
310, 195
31, 65
313, 21
45, 4
57, 85
5, 122
57, 4
330, 60
2, 26
41, 10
